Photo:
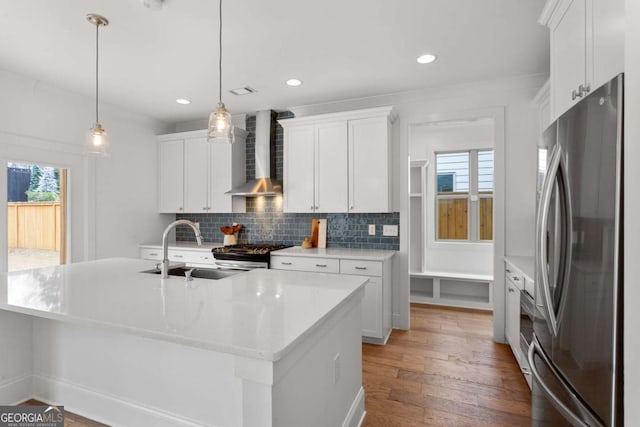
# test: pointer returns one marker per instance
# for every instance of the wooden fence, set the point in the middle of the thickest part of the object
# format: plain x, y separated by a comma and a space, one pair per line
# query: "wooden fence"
453, 219
34, 225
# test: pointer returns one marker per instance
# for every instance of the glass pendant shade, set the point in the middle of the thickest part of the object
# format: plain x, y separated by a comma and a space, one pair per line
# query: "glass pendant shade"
220, 125
97, 142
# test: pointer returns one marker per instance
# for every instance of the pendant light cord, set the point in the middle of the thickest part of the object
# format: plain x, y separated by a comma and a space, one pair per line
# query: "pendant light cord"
220, 55
97, 26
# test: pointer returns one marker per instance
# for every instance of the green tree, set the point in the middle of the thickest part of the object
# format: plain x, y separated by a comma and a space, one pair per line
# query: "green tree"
36, 174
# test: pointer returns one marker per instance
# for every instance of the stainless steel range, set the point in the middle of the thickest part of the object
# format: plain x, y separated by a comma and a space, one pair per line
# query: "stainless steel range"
245, 256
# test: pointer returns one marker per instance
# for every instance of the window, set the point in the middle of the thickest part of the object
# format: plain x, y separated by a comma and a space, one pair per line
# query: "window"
36, 216
464, 195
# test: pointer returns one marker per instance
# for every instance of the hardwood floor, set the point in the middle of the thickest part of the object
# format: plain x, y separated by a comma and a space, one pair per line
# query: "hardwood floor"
445, 371
70, 419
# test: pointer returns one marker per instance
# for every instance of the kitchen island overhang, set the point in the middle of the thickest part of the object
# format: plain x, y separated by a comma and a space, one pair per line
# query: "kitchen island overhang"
262, 348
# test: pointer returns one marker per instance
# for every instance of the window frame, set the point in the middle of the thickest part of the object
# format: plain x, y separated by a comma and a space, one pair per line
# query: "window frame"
473, 206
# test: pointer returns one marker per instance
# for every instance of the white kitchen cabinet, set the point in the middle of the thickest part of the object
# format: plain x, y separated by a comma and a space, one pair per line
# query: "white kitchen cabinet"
512, 318
369, 165
376, 303
171, 176
587, 47
316, 167
338, 162
192, 256
194, 174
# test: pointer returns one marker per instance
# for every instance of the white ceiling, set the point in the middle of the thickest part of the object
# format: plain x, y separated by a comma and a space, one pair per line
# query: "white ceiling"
340, 48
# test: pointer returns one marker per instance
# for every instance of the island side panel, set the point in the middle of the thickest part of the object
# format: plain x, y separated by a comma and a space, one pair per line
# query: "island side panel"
16, 350
124, 379
321, 384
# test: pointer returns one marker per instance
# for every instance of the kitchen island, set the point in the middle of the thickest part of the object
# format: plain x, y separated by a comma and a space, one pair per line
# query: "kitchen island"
261, 348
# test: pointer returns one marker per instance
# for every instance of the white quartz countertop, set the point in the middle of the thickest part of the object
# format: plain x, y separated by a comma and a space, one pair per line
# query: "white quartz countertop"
183, 245
523, 263
259, 314
363, 254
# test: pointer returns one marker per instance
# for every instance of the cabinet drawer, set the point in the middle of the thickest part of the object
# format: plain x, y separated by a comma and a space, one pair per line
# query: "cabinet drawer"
318, 265
361, 268
151, 254
192, 257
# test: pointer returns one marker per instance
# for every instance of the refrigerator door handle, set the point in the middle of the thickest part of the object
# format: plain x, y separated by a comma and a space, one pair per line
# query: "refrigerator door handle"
542, 221
557, 169
574, 419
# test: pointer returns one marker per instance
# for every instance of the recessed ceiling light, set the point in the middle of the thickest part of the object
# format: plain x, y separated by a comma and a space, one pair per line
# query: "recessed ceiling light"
293, 82
183, 101
426, 59
243, 90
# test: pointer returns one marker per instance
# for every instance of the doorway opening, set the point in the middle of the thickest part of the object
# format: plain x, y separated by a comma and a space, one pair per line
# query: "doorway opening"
36, 216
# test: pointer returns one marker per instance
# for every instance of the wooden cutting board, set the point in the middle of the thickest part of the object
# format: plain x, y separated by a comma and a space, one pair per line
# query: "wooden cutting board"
322, 233
315, 227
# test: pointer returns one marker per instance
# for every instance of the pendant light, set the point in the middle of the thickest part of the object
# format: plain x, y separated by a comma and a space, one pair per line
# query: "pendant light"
97, 143
220, 126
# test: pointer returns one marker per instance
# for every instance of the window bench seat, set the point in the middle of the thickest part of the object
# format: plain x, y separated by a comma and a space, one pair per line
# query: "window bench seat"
452, 289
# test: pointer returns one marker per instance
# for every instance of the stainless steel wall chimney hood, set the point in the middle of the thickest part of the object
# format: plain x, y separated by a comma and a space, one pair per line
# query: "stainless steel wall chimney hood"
262, 185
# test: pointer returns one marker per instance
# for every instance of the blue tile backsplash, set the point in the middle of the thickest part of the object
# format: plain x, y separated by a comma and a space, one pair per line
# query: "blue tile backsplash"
264, 221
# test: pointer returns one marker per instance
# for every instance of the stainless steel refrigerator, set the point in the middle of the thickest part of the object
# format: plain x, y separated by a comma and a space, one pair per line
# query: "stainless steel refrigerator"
576, 351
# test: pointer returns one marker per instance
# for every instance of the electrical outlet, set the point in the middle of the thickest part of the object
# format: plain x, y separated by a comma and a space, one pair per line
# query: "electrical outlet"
336, 368
390, 230
372, 229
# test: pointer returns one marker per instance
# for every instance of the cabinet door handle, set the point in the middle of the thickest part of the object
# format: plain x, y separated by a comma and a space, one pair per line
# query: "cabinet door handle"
515, 278
178, 256
507, 270
204, 209
360, 268
180, 208
321, 265
153, 254
350, 207
286, 263
584, 89
311, 208
575, 94
510, 289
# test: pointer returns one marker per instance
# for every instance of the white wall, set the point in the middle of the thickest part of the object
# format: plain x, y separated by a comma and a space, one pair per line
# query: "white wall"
631, 209
112, 200
519, 131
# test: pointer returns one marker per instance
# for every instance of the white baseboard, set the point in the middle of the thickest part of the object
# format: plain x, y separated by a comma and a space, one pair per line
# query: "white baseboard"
15, 390
355, 416
99, 406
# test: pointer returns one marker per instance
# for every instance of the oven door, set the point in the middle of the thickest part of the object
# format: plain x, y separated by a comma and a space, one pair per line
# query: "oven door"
527, 313
227, 264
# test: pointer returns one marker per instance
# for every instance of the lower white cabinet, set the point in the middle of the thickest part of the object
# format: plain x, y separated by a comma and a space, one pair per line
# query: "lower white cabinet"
512, 314
193, 256
376, 303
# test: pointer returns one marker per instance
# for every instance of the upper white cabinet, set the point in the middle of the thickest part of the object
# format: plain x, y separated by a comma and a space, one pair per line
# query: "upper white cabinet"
338, 162
171, 176
315, 163
369, 165
194, 174
587, 47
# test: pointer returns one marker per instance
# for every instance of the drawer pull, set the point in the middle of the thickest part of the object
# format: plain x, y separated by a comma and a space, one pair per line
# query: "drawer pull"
507, 270
178, 256
153, 254
516, 278
360, 268
321, 265
286, 263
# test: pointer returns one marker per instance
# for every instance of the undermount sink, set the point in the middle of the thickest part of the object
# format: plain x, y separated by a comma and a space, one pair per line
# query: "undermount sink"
197, 273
